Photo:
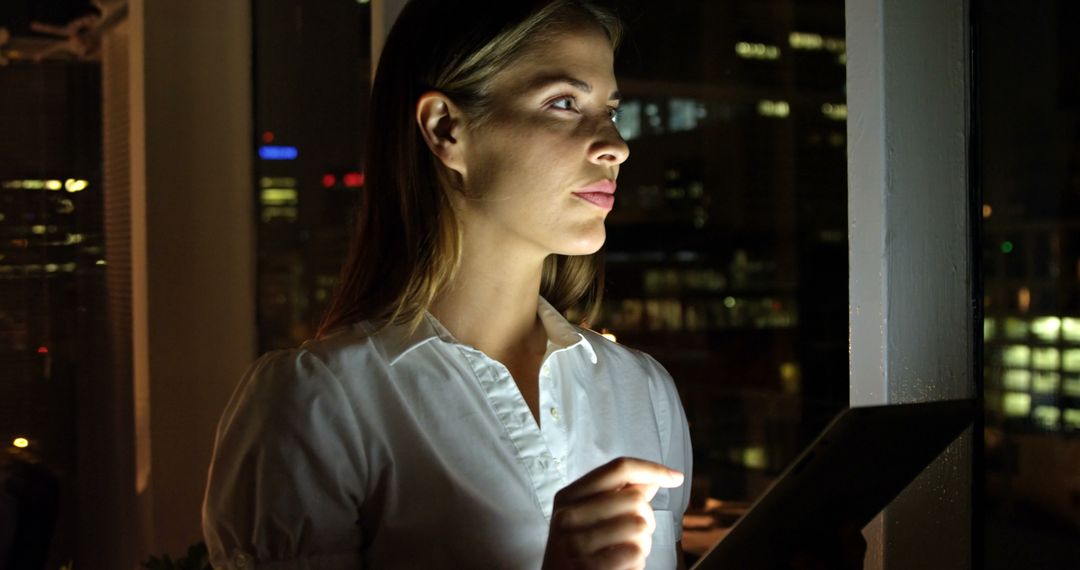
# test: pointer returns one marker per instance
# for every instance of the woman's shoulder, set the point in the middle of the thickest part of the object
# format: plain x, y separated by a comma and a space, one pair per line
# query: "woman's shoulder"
637, 379
355, 347
328, 359
283, 382
625, 360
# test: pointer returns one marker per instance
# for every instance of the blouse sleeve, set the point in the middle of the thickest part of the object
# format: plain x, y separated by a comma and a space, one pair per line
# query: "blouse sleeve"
285, 483
675, 442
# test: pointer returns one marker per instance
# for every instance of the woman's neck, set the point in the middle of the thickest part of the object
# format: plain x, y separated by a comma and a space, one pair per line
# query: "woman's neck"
492, 304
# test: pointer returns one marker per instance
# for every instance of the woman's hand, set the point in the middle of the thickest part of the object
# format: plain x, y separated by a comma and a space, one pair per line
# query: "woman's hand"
604, 520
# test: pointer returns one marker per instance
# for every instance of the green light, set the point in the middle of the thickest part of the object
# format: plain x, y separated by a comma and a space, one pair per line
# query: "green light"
1016, 404
1046, 416
1006, 247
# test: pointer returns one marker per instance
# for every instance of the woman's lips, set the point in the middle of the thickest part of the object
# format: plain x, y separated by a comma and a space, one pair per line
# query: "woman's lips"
601, 199
601, 194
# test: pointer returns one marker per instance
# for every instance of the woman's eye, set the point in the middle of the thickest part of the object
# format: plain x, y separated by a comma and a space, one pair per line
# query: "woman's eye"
615, 112
571, 104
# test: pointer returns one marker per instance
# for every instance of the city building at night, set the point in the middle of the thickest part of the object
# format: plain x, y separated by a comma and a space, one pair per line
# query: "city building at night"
52, 273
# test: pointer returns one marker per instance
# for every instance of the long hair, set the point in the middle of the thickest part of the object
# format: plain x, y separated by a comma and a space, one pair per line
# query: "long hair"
406, 246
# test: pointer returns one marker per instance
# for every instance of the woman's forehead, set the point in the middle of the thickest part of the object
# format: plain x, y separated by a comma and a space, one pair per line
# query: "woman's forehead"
582, 59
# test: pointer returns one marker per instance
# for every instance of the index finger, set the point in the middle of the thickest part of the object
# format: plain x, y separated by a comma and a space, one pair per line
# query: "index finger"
619, 473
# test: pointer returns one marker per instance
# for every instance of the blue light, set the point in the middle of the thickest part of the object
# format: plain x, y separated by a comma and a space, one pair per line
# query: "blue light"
271, 152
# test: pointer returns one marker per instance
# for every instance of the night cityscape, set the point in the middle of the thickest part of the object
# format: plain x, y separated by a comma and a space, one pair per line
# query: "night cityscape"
726, 258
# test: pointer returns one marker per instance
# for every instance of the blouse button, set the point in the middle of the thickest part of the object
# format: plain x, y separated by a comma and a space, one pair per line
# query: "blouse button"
555, 414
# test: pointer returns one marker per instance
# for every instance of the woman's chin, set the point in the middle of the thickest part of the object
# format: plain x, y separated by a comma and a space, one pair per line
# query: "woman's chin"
586, 243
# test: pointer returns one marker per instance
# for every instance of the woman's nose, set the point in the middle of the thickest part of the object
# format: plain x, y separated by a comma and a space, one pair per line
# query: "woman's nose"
608, 148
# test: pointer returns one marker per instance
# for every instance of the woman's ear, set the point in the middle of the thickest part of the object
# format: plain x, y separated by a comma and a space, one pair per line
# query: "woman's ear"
442, 125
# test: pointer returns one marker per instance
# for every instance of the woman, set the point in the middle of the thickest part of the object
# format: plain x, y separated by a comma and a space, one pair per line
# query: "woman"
449, 415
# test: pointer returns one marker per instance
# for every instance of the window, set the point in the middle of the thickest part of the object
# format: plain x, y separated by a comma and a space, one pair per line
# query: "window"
1029, 166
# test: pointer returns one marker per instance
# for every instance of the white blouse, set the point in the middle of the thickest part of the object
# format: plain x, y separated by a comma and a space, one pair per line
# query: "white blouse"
416, 451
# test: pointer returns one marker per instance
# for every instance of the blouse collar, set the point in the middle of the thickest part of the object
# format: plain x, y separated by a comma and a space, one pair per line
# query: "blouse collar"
561, 335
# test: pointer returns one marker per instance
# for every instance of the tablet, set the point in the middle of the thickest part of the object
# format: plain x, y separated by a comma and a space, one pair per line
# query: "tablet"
862, 460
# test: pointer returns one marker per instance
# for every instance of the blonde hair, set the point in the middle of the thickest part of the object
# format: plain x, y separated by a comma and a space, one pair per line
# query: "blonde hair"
406, 246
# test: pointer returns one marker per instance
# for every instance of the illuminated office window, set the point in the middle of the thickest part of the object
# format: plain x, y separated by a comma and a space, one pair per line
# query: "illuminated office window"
1016, 355
1047, 329
1014, 379
1015, 329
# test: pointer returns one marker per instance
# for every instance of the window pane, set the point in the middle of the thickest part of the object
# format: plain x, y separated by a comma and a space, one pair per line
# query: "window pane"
1028, 163
727, 248
312, 77
53, 323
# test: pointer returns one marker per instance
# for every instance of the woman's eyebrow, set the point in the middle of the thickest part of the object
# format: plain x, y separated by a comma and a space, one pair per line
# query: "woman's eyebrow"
544, 81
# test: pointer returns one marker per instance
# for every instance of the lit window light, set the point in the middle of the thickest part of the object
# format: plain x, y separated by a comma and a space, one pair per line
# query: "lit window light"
1070, 329
277, 182
1023, 299
806, 41
1046, 328
749, 50
836, 45
835, 111
1016, 405
1072, 418
1046, 416
790, 377
1071, 387
1046, 382
1015, 329
683, 114
779, 109
285, 213
629, 124
278, 197
754, 457
72, 185
989, 328
53, 185
1017, 356
1016, 379
21, 442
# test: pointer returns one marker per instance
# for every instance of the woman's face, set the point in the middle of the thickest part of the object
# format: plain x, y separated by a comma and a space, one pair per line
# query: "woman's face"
540, 171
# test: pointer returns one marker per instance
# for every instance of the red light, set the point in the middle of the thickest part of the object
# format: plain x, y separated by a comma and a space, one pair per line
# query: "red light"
328, 180
353, 179
43, 350
268, 137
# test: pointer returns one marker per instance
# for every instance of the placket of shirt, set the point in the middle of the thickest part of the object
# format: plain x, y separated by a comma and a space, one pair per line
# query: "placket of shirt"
530, 444
552, 421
